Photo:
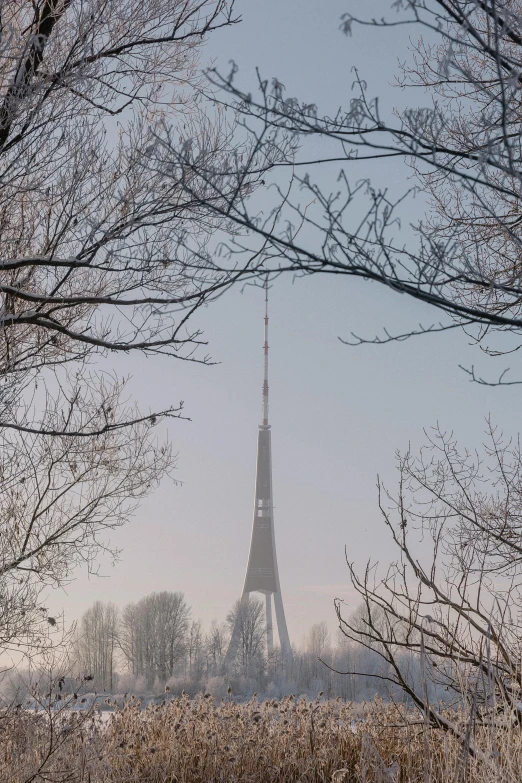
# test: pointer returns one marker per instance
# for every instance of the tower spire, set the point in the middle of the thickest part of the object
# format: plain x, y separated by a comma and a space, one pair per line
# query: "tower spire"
262, 575
265, 379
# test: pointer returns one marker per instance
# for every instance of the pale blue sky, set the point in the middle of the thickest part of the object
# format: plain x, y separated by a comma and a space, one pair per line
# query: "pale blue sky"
338, 413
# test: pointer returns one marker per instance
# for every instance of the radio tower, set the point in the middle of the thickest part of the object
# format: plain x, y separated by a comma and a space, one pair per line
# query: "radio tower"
262, 575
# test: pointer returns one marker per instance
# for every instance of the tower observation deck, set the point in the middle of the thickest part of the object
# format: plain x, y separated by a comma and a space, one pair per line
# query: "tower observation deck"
262, 575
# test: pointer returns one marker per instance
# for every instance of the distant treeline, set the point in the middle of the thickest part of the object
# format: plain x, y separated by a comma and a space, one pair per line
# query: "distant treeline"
154, 645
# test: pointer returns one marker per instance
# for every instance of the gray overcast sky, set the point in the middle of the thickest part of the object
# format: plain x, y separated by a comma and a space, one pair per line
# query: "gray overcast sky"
338, 413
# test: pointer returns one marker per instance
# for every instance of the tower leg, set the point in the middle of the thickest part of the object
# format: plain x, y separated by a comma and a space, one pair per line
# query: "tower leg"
269, 627
282, 630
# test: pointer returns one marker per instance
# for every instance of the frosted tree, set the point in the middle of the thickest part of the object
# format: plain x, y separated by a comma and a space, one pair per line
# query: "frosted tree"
464, 148
60, 494
90, 247
450, 604
97, 644
154, 634
90, 264
247, 617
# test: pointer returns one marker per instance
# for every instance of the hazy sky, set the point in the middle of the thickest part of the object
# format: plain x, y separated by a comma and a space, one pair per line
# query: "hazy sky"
338, 414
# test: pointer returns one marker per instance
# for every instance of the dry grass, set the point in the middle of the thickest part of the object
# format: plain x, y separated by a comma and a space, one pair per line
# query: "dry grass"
198, 741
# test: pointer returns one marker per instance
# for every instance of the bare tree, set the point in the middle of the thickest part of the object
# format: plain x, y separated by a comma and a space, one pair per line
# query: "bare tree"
97, 644
154, 634
90, 262
216, 642
89, 238
464, 147
195, 650
247, 617
59, 495
455, 605
317, 641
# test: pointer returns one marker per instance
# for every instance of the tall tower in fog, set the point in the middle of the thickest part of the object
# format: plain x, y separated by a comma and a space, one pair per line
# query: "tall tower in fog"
262, 575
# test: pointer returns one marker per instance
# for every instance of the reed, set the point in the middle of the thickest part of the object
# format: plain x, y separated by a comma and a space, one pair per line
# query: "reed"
199, 741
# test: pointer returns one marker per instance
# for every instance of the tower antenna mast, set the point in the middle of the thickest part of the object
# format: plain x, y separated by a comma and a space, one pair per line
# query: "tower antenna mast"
265, 379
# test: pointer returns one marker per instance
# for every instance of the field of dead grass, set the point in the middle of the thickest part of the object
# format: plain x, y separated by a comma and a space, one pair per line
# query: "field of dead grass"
198, 741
